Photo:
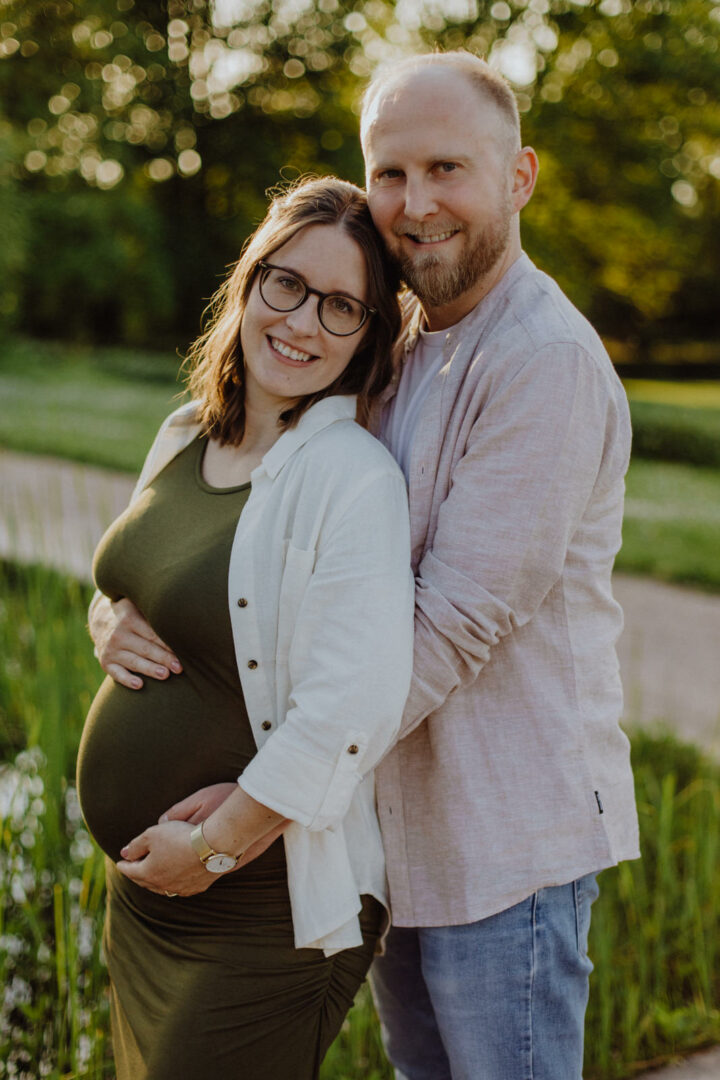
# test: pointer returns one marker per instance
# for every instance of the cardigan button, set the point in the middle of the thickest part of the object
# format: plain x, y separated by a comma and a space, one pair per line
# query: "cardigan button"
252, 664
242, 602
266, 725
353, 749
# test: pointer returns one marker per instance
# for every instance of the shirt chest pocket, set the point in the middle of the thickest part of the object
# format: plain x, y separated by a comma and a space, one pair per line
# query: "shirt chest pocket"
297, 572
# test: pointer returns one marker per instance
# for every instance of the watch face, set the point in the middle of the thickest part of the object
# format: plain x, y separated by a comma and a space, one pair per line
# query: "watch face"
219, 864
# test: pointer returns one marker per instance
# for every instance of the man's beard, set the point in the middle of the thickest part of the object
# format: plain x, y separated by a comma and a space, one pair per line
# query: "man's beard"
437, 283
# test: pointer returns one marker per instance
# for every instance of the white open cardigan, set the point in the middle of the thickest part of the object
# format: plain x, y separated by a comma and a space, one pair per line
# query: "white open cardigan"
321, 602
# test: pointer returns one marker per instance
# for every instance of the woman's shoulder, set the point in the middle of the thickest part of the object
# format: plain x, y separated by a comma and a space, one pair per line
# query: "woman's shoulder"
344, 448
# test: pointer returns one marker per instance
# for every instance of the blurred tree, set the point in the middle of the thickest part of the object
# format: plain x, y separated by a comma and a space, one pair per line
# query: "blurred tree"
147, 134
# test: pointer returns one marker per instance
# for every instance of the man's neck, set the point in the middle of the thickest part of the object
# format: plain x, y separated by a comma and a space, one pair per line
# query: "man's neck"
442, 318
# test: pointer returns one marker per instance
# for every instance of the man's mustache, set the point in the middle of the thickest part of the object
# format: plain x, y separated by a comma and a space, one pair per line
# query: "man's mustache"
424, 232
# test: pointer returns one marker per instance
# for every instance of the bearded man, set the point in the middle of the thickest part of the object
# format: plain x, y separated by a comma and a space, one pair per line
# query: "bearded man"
510, 786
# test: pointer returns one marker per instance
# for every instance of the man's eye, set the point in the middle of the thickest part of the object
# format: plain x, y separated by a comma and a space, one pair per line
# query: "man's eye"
389, 174
447, 166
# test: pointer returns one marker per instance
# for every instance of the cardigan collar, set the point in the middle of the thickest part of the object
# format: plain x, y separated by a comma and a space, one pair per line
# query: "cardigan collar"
320, 415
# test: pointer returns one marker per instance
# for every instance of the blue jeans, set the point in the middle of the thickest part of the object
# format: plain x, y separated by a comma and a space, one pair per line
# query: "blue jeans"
499, 999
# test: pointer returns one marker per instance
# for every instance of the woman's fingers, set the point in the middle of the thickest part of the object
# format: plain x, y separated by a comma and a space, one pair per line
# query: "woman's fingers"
138, 847
162, 860
200, 805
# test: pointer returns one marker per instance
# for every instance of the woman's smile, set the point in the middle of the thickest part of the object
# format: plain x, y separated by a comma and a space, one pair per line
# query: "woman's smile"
288, 352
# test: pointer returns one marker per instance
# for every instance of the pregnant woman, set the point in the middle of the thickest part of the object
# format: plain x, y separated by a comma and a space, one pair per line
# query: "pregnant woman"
267, 544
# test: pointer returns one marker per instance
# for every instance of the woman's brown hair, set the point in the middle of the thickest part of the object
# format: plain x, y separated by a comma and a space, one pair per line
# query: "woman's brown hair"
215, 360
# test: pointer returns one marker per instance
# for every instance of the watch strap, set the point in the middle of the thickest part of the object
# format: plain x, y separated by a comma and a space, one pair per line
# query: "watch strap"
203, 850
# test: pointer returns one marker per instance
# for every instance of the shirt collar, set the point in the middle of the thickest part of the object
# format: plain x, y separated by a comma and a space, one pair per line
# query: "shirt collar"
318, 416
478, 314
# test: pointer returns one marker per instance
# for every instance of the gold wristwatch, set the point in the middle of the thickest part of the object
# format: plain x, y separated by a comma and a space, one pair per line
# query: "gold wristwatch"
217, 862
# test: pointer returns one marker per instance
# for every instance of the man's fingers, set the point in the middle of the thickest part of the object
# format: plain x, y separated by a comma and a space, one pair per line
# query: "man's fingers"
149, 644
121, 675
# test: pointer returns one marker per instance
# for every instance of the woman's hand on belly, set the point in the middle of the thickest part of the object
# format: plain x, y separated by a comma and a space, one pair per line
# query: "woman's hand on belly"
162, 860
202, 803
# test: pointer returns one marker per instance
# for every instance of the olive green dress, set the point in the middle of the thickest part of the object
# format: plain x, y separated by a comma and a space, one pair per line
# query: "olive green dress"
208, 985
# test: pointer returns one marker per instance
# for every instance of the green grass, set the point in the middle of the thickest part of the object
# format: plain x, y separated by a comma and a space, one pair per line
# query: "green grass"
692, 395
672, 523
100, 406
655, 933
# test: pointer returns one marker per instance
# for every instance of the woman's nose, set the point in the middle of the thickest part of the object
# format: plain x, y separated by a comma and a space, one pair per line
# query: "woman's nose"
304, 319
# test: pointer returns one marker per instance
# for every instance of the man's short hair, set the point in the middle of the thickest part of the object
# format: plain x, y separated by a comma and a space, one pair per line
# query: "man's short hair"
488, 82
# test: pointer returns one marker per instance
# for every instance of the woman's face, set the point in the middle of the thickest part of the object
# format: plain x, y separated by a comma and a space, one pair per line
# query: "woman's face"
290, 354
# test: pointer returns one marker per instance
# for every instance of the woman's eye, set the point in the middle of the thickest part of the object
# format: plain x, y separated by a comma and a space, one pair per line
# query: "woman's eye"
448, 166
341, 304
289, 284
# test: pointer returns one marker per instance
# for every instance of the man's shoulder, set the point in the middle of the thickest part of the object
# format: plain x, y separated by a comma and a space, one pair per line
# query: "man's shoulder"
526, 314
548, 317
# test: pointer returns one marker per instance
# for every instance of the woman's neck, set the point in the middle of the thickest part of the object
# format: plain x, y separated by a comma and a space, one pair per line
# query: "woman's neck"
228, 466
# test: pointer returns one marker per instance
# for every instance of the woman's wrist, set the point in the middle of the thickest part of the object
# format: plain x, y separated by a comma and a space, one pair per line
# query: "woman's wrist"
238, 823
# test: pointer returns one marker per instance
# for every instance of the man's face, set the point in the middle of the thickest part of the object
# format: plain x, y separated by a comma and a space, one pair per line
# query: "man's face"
439, 170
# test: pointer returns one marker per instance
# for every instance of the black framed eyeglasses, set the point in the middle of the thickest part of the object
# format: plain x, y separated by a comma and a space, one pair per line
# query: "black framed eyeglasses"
284, 290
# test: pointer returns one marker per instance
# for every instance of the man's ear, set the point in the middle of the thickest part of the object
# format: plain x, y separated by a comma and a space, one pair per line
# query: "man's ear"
524, 177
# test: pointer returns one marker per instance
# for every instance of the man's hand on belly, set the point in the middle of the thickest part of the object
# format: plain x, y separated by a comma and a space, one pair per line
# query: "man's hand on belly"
126, 644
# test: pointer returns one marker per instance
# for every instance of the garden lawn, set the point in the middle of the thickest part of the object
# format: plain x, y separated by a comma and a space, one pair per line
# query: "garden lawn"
672, 523
100, 406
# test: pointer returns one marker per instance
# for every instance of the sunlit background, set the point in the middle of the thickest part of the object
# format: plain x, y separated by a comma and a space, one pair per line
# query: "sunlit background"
138, 139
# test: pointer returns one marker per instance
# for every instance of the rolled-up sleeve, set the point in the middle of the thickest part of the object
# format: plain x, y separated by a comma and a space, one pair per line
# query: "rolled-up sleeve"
537, 452
349, 661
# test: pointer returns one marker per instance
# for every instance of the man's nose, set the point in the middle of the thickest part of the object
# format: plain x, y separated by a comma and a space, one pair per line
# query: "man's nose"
305, 319
419, 199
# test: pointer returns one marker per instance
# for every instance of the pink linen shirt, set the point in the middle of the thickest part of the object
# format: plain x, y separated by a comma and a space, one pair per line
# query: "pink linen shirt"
512, 772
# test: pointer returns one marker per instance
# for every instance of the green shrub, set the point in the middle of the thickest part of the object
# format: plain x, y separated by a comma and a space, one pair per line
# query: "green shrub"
676, 433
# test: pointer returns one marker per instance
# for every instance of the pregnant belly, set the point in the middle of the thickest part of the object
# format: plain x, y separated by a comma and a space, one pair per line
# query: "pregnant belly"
142, 751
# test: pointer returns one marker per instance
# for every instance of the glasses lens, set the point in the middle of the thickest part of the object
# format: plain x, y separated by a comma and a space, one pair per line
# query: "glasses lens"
340, 314
281, 290
284, 291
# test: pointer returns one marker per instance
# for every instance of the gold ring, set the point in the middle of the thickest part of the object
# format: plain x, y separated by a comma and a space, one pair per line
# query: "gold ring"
170, 893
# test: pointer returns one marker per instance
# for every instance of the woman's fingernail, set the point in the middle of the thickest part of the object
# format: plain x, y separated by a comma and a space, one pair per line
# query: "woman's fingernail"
136, 684
124, 851
176, 666
161, 672
164, 817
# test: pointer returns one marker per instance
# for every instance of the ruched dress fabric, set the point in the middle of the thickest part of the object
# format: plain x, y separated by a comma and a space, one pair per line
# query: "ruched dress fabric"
209, 984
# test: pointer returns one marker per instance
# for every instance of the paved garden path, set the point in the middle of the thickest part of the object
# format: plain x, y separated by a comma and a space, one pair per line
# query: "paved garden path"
55, 512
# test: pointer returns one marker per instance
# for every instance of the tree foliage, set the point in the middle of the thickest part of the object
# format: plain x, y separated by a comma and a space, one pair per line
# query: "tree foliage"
138, 139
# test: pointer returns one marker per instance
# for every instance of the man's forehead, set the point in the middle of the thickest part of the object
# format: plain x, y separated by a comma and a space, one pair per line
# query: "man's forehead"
441, 107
